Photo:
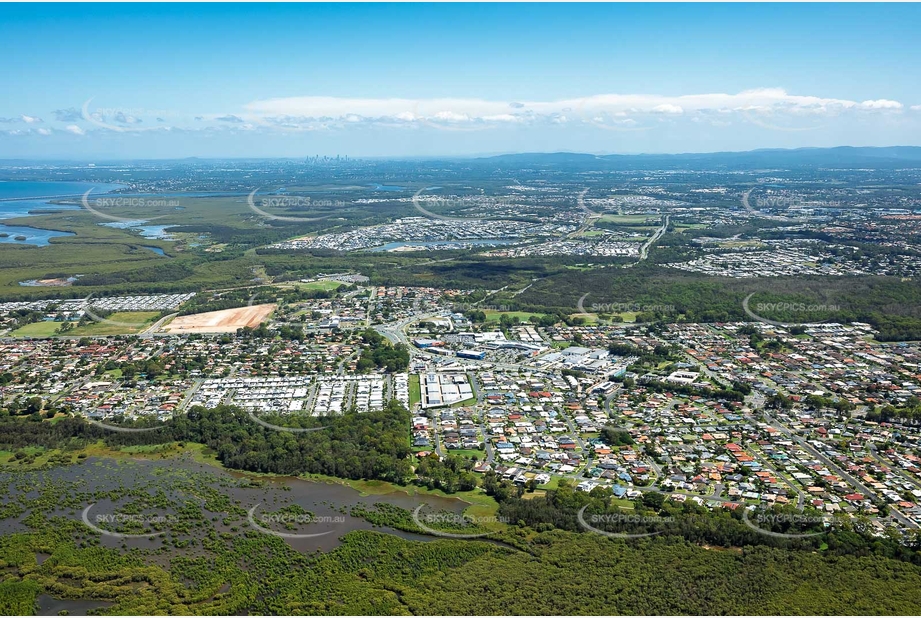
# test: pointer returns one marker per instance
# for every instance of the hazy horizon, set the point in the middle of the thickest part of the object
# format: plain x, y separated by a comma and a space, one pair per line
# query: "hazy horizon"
433, 157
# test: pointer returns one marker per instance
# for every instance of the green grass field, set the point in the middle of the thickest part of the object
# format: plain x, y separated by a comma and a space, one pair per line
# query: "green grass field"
320, 285
37, 329
133, 322
466, 452
628, 219
415, 390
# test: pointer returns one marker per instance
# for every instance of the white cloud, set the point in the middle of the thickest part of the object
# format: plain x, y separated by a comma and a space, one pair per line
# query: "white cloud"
770, 101
667, 108
502, 118
451, 116
44, 131
767, 107
881, 104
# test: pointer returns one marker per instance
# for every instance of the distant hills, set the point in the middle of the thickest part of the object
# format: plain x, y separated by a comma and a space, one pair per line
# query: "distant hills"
846, 157
840, 157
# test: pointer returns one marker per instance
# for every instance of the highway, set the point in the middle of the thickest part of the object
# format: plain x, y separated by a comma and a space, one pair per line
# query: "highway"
644, 250
155, 327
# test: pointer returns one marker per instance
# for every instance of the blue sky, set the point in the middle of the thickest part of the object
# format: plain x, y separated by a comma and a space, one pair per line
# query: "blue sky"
155, 81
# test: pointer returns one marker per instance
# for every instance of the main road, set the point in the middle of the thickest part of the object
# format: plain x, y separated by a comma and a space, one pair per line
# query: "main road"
644, 250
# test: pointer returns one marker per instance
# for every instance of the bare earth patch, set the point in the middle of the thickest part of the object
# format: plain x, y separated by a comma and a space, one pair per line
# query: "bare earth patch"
224, 321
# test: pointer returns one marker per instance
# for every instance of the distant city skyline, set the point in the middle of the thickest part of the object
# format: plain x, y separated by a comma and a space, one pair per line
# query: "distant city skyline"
420, 80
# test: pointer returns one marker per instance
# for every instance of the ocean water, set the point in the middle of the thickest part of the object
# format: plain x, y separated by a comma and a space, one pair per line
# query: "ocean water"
33, 235
22, 208
20, 189
22, 198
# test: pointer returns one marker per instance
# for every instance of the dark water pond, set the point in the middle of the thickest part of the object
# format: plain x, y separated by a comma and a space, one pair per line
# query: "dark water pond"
50, 606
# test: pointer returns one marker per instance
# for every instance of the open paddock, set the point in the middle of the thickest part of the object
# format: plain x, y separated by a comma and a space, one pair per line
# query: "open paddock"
224, 321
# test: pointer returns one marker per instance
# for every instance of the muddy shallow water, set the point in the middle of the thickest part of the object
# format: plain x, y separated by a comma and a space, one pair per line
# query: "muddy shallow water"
327, 503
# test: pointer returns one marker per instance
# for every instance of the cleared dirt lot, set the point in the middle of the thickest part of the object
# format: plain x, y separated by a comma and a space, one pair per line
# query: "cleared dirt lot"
224, 321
